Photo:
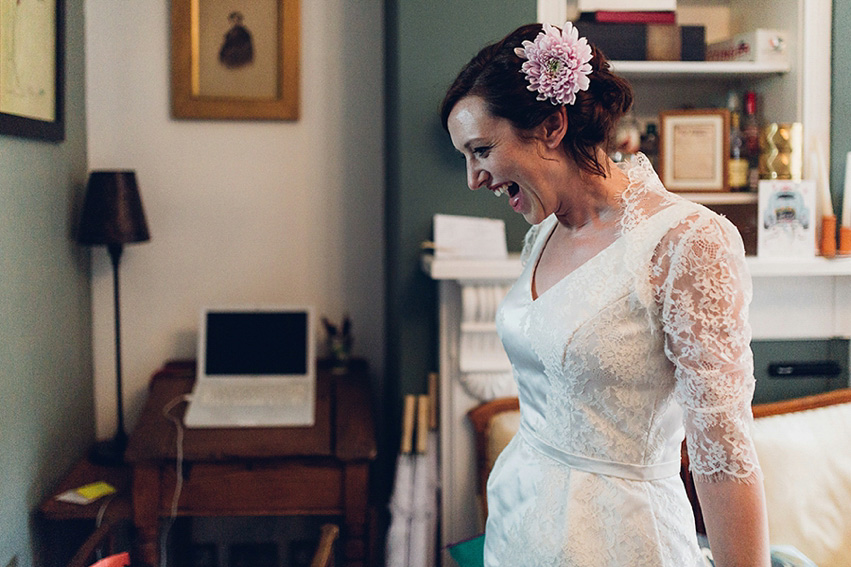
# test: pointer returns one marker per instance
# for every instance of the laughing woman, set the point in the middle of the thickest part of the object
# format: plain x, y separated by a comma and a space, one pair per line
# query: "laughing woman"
627, 330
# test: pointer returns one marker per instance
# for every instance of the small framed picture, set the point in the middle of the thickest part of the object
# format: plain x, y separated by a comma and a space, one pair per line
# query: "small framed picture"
693, 149
235, 59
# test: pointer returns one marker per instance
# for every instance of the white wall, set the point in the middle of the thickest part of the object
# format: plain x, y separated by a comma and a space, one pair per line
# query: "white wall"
239, 212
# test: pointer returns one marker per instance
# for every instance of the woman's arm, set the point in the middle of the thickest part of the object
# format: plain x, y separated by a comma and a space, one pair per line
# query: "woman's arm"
734, 515
703, 289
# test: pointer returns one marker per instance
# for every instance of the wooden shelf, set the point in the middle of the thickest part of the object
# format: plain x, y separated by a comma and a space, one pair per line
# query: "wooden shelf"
696, 69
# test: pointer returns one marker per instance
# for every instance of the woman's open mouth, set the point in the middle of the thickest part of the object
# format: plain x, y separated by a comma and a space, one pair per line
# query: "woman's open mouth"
511, 189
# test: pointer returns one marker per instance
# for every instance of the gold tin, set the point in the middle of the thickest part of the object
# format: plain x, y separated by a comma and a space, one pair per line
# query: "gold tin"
781, 151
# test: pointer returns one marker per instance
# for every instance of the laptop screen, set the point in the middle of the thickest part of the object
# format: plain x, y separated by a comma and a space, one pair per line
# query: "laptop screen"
262, 342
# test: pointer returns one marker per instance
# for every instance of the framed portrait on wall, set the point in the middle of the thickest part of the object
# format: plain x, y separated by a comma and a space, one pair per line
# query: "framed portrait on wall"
235, 59
32, 69
693, 149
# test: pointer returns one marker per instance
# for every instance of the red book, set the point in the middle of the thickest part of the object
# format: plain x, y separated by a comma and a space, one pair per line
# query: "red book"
616, 17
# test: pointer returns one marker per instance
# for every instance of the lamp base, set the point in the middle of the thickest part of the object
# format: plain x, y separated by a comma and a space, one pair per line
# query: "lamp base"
109, 453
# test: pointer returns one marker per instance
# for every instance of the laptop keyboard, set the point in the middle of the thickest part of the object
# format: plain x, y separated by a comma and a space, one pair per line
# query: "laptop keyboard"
255, 395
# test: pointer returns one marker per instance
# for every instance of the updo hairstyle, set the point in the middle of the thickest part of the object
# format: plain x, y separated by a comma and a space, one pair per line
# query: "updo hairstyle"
494, 75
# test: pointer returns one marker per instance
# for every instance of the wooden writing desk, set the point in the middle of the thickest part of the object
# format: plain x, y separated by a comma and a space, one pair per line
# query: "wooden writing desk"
320, 470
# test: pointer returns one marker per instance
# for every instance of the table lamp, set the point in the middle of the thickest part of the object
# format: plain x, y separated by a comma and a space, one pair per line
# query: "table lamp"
113, 216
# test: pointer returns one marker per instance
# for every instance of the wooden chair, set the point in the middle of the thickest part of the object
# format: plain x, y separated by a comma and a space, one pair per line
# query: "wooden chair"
804, 448
494, 423
819, 499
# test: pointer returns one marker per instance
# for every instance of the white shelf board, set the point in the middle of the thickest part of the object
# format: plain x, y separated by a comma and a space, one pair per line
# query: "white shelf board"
510, 268
818, 266
721, 198
472, 269
696, 69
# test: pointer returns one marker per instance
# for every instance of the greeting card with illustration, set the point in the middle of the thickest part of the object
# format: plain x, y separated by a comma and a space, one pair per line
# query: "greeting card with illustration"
786, 219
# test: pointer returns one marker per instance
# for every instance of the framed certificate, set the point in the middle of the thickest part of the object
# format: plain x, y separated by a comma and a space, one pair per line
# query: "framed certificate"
693, 149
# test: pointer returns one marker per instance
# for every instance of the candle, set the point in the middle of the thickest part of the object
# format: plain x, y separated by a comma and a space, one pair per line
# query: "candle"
846, 194
823, 184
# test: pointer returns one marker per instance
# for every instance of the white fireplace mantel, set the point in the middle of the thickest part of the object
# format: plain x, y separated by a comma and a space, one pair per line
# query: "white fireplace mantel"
793, 299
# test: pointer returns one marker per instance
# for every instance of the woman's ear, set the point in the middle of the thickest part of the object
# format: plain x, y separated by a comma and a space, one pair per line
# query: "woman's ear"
553, 129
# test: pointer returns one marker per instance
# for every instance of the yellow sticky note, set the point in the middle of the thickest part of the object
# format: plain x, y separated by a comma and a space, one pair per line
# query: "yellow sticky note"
87, 493
95, 490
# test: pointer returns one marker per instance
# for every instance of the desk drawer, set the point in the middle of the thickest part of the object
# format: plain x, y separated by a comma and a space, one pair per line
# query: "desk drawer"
259, 489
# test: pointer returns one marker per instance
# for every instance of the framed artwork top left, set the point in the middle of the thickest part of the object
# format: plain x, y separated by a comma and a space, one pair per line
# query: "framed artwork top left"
32, 63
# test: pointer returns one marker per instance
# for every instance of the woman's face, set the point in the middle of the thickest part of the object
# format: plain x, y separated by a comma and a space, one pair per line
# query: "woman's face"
500, 160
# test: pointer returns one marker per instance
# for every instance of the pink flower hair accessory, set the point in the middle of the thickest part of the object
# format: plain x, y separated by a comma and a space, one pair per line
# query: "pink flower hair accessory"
557, 63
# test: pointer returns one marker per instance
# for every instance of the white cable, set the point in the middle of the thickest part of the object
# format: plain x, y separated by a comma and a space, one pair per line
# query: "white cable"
178, 485
99, 521
102, 510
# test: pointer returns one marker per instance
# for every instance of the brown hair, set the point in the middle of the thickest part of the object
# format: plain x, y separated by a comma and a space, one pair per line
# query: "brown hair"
494, 75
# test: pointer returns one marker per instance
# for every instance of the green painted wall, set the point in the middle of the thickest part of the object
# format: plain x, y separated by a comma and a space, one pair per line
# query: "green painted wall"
45, 321
428, 42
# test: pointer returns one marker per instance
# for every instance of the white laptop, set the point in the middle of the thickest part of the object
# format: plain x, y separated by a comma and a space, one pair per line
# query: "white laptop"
256, 368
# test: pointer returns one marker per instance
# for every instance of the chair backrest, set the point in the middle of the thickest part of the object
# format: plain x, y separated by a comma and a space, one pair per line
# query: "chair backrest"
494, 422
804, 447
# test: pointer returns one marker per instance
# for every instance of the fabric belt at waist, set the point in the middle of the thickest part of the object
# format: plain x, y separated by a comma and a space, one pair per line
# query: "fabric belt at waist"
610, 468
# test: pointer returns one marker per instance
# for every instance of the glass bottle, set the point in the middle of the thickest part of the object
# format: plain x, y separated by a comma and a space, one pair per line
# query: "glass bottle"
737, 164
750, 131
650, 144
627, 138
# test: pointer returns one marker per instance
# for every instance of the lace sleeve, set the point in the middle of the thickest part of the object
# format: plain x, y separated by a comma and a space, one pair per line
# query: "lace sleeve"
702, 288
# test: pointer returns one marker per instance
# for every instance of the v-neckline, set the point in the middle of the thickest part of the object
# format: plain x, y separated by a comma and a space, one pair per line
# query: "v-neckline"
533, 294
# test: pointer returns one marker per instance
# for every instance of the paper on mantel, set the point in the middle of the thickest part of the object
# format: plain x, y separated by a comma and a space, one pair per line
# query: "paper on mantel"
458, 236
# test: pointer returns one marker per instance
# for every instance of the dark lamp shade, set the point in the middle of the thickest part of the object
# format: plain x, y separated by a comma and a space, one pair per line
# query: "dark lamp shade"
112, 210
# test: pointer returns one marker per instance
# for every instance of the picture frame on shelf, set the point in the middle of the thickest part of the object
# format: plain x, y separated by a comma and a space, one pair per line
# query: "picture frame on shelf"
694, 146
235, 60
32, 66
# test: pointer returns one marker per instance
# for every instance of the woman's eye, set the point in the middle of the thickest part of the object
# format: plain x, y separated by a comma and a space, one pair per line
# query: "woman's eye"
481, 151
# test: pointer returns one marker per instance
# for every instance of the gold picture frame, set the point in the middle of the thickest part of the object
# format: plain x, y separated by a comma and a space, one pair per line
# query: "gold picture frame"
694, 146
235, 59
32, 65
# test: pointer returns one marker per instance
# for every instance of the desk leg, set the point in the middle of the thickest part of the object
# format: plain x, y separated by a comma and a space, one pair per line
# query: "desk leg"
356, 532
146, 497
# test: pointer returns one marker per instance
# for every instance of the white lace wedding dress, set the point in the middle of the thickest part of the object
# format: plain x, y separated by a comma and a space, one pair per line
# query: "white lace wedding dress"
647, 341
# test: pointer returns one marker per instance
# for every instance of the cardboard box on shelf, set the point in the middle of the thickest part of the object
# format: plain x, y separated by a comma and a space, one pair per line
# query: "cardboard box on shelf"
760, 46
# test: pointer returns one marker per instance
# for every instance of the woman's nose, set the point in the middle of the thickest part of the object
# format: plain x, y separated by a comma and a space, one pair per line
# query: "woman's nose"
476, 177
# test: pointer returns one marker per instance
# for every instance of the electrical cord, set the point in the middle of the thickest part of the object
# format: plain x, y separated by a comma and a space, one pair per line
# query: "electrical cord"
99, 520
178, 484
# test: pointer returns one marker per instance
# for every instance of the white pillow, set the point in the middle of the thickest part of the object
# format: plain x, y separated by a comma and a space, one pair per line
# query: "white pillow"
806, 459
